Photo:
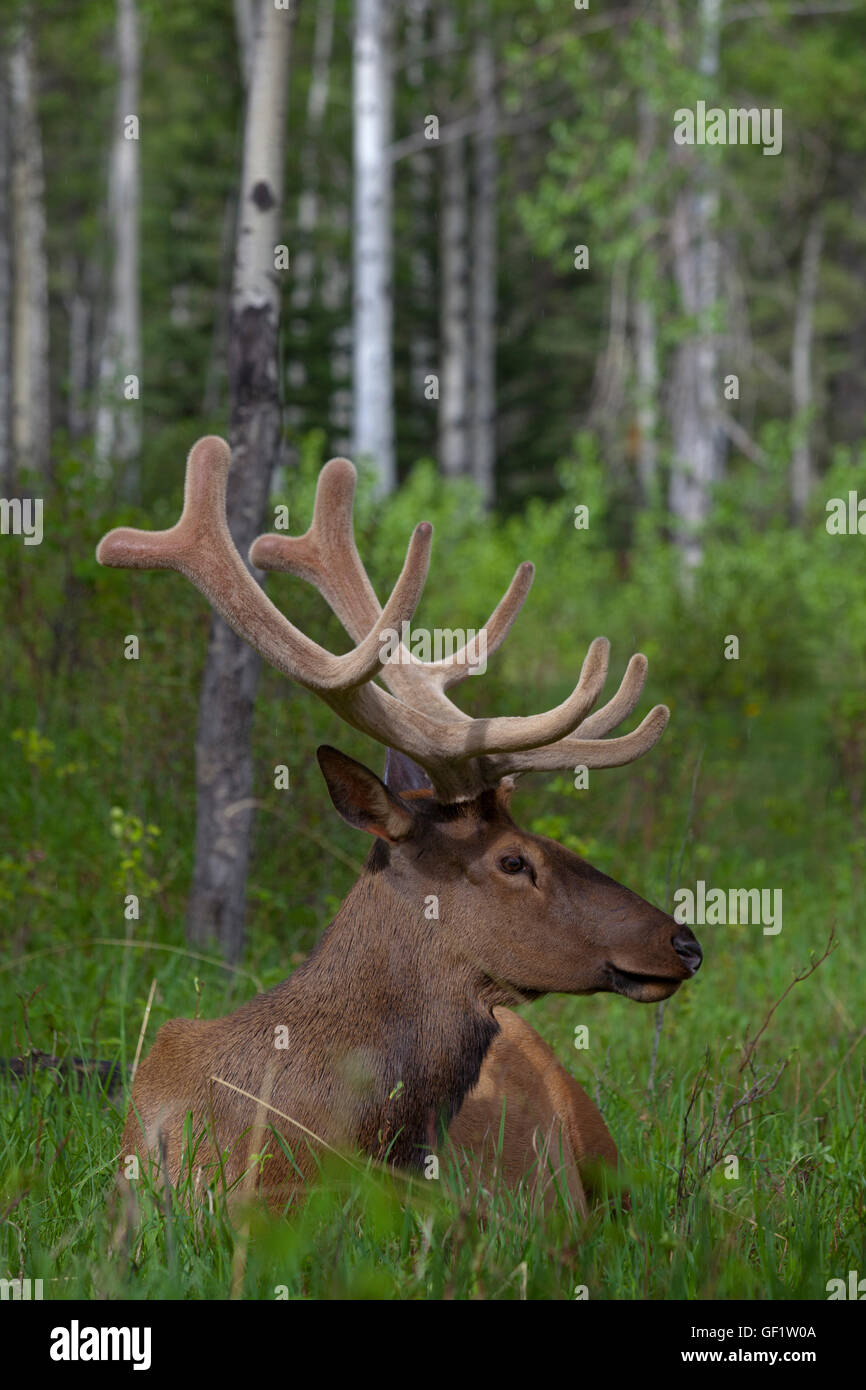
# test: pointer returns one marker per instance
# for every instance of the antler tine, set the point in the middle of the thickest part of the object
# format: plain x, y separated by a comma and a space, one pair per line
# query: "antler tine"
620, 706
589, 753
456, 668
200, 547
326, 556
477, 738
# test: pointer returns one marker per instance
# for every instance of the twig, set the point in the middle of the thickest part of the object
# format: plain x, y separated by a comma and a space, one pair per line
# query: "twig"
142, 1030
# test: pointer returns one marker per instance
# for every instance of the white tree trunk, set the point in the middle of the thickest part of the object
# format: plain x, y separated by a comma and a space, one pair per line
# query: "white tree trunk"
224, 770
483, 434
647, 372
372, 327
78, 312
308, 202
801, 363
246, 24
305, 259
609, 386
645, 317
31, 432
422, 348
118, 418
697, 440
7, 479
454, 380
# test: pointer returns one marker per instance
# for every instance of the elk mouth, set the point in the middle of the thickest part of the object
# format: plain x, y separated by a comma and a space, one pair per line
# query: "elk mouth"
645, 989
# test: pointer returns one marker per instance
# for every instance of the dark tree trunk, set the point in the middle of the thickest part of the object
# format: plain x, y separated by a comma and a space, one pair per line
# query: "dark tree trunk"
224, 767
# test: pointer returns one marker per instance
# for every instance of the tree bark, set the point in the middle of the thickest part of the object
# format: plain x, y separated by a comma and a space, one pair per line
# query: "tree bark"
304, 273
31, 400
224, 771
801, 363
118, 417
422, 347
645, 317
372, 326
7, 472
246, 23
696, 437
454, 381
608, 395
484, 241
78, 313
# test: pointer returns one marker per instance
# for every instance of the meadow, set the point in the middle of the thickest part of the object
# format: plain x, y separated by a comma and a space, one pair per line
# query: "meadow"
757, 783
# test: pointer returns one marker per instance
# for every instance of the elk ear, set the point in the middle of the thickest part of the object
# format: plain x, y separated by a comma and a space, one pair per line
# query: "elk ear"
361, 799
403, 775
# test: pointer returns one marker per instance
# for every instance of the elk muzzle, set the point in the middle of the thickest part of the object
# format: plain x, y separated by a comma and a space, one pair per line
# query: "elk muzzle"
650, 987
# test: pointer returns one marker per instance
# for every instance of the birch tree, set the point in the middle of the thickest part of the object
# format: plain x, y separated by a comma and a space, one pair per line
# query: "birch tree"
78, 302
224, 773
6, 466
696, 438
303, 276
422, 347
31, 401
646, 349
372, 319
118, 418
246, 22
484, 248
801, 363
454, 384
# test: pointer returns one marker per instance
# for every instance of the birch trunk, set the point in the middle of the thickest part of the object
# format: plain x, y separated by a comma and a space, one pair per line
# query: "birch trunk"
647, 372
372, 326
246, 22
118, 418
304, 272
645, 318
78, 314
801, 363
31, 431
7, 472
608, 395
483, 435
422, 348
224, 772
697, 441
454, 388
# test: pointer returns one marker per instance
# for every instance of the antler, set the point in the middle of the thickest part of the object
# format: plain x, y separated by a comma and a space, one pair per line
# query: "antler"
461, 755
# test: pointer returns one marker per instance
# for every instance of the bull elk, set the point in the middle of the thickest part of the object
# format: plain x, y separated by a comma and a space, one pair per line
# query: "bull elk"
397, 1025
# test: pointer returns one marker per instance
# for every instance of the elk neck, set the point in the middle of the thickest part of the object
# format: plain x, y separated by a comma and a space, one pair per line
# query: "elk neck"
385, 995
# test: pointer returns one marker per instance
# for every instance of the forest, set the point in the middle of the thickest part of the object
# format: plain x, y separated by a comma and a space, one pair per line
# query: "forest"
580, 284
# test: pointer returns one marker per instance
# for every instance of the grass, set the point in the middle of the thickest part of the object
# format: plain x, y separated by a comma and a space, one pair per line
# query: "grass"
779, 1223
746, 790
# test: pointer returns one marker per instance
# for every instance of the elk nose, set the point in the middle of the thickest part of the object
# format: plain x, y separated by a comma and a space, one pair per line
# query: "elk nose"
685, 944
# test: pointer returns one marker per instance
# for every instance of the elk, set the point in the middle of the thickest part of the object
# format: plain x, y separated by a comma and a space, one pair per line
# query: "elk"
396, 1031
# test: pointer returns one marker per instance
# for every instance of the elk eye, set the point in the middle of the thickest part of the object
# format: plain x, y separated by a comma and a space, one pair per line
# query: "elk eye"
512, 863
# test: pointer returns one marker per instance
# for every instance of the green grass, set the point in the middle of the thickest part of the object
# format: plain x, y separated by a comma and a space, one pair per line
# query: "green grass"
758, 782
791, 1219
